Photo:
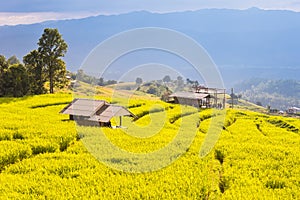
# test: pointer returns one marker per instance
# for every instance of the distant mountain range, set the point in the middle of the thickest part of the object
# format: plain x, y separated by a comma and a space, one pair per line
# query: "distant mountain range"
243, 43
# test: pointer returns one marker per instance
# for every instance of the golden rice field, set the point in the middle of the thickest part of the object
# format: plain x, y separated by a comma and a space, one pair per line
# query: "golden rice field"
43, 155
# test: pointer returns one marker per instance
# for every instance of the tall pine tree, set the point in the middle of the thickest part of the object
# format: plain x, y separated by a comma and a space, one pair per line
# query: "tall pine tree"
45, 63
51, 48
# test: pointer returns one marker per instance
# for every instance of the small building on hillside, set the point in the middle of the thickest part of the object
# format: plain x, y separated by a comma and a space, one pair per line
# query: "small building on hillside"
293, 110
202, 98
190, 98
89, 112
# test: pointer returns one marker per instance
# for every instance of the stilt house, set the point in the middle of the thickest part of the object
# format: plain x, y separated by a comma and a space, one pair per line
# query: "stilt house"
203, 97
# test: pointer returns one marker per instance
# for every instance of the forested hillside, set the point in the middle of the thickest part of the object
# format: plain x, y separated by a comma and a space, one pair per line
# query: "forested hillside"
279, 94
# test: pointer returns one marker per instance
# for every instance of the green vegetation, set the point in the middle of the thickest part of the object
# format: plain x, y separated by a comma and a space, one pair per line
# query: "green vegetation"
13, 77
43, 157
40, 66
154, 87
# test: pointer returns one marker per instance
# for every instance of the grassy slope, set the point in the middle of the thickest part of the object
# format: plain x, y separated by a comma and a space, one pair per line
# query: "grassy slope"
256, 157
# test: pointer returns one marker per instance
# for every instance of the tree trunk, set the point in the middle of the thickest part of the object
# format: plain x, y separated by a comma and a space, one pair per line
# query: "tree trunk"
51, 79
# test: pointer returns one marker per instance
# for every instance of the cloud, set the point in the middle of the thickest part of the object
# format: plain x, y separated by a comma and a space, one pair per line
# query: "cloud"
36, 17
51, 5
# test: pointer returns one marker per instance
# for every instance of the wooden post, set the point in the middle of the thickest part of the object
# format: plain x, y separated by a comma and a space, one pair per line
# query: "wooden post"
120, 121
232, 97
216, 97
224, 99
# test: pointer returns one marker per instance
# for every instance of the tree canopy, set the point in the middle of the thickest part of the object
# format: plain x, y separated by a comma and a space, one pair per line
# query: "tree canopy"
13, 78
138, 80
37, 79
167, 78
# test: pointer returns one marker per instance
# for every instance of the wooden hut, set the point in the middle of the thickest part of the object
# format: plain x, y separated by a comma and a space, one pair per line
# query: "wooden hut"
89, 112
191, 98
203, 97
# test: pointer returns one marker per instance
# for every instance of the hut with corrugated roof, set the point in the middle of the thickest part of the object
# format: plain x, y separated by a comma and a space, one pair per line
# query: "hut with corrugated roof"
90, 112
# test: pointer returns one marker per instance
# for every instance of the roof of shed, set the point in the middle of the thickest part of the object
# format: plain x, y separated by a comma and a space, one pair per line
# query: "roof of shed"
83, 107
295, 108
110, 112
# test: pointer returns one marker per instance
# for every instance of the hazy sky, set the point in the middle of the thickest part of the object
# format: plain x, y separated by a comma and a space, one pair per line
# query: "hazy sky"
31, 11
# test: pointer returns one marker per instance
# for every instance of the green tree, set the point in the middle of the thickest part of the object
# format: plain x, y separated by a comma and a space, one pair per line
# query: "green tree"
17, 80
258, 103
51, 48
101, 81
180, 82
152, 90
188, 81
3, 68
167, 78
13, 60
14, 81
111, 82
139, 81
3, 62
33, 64
60, 78
81, 76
